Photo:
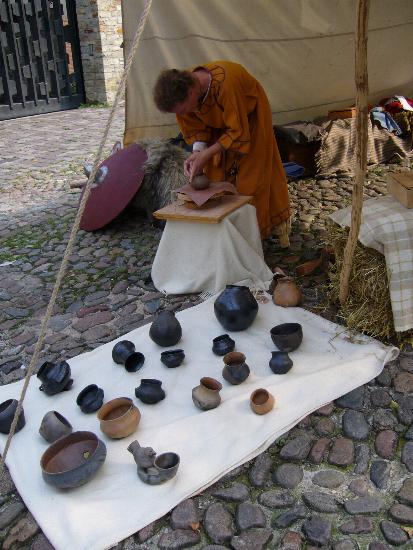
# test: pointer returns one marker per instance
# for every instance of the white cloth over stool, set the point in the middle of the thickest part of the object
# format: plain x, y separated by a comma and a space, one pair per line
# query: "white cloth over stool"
195, 256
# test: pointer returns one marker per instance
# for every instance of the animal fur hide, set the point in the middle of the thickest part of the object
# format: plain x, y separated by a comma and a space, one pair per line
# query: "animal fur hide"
164, 172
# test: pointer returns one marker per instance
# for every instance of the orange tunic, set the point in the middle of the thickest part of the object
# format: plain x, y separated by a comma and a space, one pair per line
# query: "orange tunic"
237, 114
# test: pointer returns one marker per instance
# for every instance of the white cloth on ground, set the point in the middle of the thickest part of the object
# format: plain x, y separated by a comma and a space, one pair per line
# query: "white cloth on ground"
387, 226
195, 257
115, 504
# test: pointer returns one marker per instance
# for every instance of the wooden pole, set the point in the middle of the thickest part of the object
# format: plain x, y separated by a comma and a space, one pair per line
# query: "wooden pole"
362, 89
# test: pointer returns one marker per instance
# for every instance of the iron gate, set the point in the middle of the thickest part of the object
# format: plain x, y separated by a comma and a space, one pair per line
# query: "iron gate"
40, 66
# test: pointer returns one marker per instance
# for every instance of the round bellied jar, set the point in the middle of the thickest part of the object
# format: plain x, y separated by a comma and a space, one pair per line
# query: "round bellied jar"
236, 308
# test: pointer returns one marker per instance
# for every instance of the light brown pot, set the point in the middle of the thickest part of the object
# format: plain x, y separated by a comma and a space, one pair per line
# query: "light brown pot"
119, 417
286, 293
261, 401
206, 395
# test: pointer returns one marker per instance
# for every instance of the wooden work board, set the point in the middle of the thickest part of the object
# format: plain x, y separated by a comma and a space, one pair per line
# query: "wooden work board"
214, 212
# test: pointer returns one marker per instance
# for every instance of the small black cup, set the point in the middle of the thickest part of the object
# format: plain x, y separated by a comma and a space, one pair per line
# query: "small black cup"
172, 358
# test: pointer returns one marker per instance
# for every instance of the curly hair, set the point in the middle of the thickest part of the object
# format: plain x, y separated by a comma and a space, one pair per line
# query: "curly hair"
171, 88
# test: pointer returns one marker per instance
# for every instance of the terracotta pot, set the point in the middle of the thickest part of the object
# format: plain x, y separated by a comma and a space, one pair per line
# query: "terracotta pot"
150, 391
236, 370
200, 182
73, 460
54, 426
90, 399
286, 293
166, 330
280, 362
261, 401
236, 308
287, 336
119, 417
172, 358
55, 377
206, 395
7, 411
223, 344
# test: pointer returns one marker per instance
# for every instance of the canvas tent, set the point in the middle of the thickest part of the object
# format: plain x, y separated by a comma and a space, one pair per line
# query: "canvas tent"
302, 51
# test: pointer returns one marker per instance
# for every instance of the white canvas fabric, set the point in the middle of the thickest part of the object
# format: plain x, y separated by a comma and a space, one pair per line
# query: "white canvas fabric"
116, 503
195, 257
387, 226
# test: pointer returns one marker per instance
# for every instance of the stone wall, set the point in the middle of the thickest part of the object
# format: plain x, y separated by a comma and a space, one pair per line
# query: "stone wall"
100, 34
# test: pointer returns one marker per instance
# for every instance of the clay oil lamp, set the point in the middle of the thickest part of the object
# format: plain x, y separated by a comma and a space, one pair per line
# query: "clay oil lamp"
153, 469
287, 336
286, 293
150, 391
73, 460
223, 344
166, 331
90, 399
7, 411
119, 417
54, 426
236, 370
206, 395
280, 362
236, 308
172, 358
261, 401
124, 353
55, 377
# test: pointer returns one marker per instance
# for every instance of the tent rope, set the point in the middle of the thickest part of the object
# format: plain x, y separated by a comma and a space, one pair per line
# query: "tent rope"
75, 227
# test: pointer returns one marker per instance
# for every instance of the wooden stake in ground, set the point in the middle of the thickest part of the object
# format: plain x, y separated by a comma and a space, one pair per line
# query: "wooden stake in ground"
362, 90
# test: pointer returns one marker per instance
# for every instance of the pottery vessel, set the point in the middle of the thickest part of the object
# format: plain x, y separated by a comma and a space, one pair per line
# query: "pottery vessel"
200, 182
206, 395
150, 391
124, 353
90, 399
280, 362
172, 358
261, 401
236, 370
73, 460
286, 293
166, 330
154, 469
223, 344
7, 411
119, 417
55, 377
236, 308
287, 336
54, 426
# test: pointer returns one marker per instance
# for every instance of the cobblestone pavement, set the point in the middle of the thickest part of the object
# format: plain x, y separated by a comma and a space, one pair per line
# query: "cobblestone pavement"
339, 479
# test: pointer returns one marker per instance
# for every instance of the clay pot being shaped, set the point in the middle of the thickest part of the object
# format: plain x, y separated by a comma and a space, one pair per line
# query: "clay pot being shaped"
261, 401
150, 391
280, 362
286, 293
124, 353
172, 358
206, 395
287, 336
55, 377
200, 182
223, 344
7, 411
166, 330
54, 426
119, 417
154, 469
236, 370
73, 460
90, 399
236, 308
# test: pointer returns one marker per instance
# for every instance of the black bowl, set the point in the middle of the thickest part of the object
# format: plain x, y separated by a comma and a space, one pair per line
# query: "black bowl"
287, 336
221, 345
90, 399
172, 358
135, 361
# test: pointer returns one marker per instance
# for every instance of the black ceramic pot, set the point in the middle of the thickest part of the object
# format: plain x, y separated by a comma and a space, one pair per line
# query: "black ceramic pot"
280, 362
236, 370
223, 344
124, 353
55, 377
7, 411
90, 399
236, 308
150, 391
287, 336
166, 330
172, 358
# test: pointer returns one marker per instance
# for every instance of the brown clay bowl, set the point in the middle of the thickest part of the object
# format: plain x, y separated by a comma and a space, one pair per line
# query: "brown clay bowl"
119, 417
261, 401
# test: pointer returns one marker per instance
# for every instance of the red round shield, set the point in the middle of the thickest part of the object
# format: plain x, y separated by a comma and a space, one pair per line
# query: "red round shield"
121, 177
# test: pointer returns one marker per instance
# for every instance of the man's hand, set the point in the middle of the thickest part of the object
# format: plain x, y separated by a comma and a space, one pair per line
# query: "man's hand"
195, 163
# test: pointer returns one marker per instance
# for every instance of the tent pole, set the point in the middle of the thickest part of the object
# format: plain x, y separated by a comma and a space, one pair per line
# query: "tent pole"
362, 87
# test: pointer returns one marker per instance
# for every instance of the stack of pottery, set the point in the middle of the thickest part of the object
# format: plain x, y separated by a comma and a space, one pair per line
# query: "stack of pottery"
287, 337
119, 418
236, 308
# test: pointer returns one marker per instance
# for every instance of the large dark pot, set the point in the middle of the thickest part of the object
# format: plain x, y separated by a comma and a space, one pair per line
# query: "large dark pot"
7, 411
150, 391
172, 358
124, 353
223, 344
236, 308
90, 399
287, 336
280, 362
236, 369
166, 330
55, 377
